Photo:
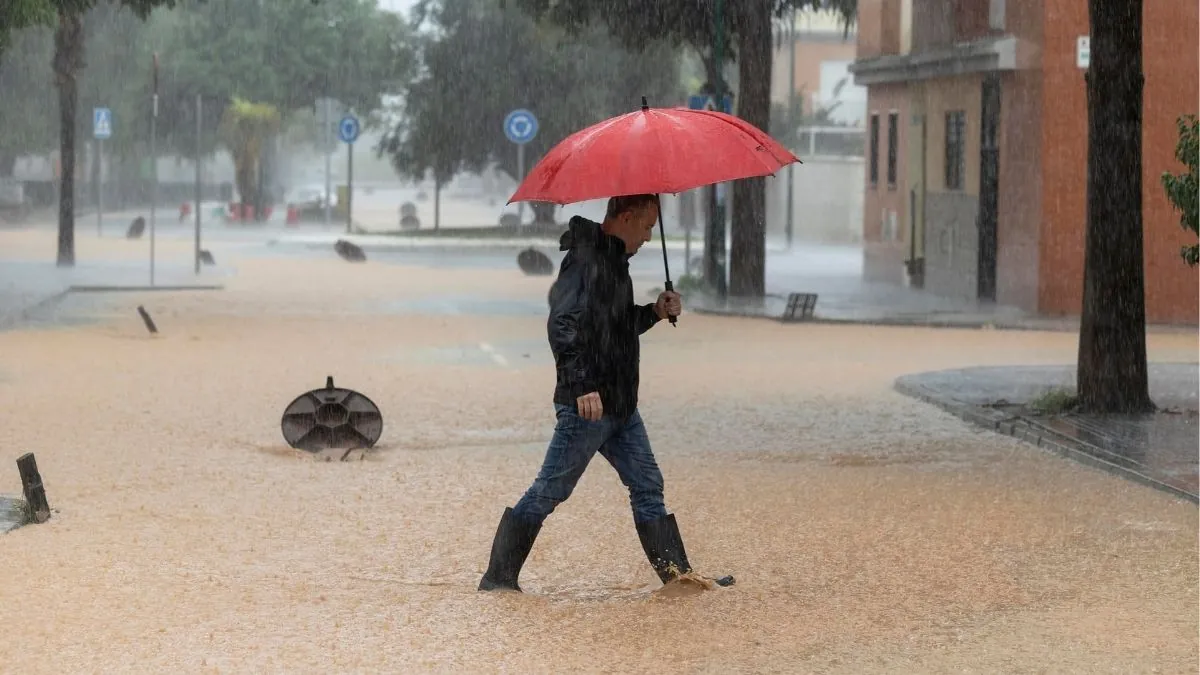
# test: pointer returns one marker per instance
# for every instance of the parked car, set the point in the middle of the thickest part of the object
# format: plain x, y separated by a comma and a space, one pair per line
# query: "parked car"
309, 200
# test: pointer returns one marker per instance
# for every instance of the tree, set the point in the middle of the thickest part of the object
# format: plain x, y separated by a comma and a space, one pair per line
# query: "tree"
483, 61
68, 60
1183, 190
246, 128
1111, 374
748, 238
702, 24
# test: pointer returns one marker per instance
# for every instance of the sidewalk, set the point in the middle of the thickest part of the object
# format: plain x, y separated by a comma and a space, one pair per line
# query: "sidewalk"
12, 514
31, 289
853, 301
847, 300
1159, 450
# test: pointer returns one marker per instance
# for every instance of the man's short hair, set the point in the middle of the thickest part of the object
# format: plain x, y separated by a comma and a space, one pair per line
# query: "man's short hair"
619, 205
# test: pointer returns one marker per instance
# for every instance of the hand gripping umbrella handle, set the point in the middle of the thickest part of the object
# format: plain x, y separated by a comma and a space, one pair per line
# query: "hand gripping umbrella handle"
662, 233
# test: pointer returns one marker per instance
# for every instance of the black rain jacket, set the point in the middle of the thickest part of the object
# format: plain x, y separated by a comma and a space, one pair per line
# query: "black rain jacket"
594, 326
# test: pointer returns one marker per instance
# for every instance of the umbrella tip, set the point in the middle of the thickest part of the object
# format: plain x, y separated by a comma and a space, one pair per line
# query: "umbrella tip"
645, 106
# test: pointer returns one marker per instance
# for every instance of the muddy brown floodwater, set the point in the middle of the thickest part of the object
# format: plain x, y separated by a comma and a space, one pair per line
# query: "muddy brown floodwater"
868, 532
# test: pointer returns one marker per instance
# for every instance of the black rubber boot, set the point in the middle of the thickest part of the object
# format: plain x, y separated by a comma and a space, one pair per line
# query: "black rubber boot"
510, 548
664, 547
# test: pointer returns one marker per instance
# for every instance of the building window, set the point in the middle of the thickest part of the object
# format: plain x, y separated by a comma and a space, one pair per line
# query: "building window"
996, 11
893, 147
873, 156
956, 157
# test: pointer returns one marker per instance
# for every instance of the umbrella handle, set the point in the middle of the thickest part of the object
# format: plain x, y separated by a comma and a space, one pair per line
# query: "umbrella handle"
662, 233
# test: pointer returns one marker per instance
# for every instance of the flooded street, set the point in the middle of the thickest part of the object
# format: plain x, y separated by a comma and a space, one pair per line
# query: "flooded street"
868, 532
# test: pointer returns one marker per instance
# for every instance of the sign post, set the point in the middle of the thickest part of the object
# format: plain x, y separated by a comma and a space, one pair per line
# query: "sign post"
199, 185
327, 148
520, 127
153, 165
101, 131
348, 130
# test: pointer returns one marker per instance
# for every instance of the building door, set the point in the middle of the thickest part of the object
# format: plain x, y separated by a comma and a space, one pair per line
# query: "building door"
989, 189
918, 144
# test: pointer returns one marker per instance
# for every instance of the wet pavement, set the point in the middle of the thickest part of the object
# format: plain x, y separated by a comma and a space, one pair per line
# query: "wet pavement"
869, 532
832, 272
1160, 449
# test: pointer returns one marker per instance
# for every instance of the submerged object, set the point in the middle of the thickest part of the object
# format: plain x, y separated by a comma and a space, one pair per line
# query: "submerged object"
331, 417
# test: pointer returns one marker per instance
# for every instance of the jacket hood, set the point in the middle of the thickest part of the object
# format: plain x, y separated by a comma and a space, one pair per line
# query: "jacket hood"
584, 233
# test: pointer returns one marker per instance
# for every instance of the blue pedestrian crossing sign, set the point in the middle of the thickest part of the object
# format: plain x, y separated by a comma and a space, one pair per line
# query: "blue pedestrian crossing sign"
520, 126
348, 129
709, 102
101, 123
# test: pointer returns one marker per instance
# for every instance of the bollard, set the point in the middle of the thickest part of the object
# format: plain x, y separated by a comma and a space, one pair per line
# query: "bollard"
147, 320
349, 251
535, 263
35, 492
136, 228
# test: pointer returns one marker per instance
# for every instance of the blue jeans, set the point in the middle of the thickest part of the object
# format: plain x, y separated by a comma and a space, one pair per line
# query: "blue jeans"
623, 442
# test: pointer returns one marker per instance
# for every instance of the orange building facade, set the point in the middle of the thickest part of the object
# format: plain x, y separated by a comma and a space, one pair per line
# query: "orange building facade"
977, 149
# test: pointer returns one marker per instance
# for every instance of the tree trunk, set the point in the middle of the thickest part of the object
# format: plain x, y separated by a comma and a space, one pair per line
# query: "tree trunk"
68, 60
712, 270
1111, 372
543, 212
748, 246
244, 170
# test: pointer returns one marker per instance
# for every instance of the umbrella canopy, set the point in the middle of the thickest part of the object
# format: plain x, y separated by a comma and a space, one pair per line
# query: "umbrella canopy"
652, 151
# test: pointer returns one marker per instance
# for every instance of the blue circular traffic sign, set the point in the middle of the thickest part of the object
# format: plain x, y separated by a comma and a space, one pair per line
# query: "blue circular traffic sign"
348, 129
520, 126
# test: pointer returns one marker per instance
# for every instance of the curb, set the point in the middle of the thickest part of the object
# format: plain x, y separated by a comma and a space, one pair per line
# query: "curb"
883, 321
1031, 432
24, 313
122, 289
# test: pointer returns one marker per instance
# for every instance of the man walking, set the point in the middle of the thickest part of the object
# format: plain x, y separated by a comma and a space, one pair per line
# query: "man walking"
593, 329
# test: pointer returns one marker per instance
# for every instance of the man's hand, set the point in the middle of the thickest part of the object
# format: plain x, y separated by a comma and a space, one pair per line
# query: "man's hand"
669, 304
590, 406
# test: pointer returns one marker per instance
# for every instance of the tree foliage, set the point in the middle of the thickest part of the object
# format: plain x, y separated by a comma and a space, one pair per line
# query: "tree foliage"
684, 22
282, 53
246, 128
1183, 190
17, 15
482, 61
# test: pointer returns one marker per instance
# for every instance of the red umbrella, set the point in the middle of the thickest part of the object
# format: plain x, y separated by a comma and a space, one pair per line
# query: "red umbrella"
652, 151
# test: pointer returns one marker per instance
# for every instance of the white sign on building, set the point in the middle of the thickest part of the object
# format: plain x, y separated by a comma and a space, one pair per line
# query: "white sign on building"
1083, 51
